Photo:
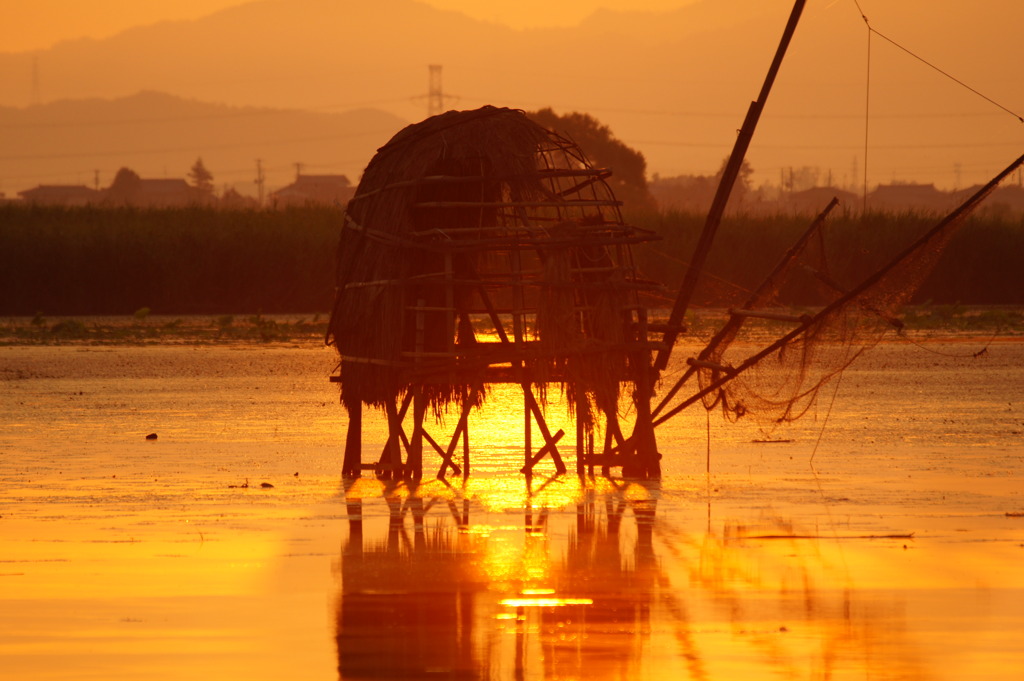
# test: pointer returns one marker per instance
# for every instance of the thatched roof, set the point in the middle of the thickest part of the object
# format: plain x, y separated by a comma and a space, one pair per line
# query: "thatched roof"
481, 214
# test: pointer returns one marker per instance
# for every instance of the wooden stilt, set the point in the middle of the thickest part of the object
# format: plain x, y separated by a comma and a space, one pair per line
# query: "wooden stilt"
459, 429
527, 431
465, 452
615, 439
352, 464
534, 413
391, 458
581, 454
414, 462
646, 461
437, 448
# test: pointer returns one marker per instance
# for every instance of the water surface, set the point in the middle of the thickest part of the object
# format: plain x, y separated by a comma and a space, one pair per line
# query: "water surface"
880, 537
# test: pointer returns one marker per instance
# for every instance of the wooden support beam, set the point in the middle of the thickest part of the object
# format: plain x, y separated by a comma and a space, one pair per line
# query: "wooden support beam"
548, 448
646, 461
353, 443
538, 415
714, 366
465, 444
414, 460
437, 448
580, 434
391, 458
774, 316
462, 425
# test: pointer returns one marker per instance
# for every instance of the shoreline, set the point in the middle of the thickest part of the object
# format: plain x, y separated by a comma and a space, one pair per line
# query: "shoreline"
995, 323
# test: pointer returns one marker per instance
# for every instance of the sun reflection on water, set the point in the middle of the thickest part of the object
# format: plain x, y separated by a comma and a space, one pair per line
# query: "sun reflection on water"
588, 580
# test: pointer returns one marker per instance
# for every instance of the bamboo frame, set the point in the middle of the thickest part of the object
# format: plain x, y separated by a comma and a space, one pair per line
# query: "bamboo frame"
527, 242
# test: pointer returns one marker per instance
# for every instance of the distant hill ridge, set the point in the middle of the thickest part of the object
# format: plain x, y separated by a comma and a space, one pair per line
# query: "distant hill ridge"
674, 85
161, 135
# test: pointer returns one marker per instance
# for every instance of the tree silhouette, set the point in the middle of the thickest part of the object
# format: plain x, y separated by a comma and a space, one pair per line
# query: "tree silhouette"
628, 166
202, 179
743, 186
125, 187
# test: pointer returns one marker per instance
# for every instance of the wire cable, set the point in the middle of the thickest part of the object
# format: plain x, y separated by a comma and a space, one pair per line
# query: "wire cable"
872, 29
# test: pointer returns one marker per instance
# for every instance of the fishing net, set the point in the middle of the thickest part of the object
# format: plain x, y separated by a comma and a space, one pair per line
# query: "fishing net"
779, 381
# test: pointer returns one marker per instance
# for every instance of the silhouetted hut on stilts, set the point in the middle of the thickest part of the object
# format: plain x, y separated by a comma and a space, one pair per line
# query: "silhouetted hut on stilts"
476, 220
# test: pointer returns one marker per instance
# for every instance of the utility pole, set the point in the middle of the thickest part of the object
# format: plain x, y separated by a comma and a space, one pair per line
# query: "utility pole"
260, 179
298, 170
435, 95
96, 179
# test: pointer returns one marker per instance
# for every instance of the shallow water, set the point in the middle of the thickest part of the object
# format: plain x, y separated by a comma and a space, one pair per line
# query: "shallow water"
878, 538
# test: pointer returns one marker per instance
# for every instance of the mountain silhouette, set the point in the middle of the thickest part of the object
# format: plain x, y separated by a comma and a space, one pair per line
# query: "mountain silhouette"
160, 135
674, 85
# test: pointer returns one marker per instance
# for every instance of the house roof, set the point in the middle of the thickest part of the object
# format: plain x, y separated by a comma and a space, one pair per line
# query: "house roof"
59, 193
164, 186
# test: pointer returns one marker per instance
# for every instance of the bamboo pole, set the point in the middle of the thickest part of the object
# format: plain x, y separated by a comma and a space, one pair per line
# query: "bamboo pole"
962, 211
729, 175
758, 297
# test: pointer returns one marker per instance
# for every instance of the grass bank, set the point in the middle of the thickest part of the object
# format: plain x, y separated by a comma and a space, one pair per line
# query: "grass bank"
941, 321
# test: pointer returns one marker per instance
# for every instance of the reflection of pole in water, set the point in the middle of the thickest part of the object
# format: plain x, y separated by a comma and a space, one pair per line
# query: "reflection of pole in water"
587, 592
756, 571
407, 605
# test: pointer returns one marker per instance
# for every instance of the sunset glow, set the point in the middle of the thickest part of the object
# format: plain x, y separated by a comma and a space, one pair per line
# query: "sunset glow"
510, 340
42, 23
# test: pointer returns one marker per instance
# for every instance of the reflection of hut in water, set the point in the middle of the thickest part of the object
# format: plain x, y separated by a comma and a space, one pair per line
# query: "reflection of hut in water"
609, 599
476, 219
407, 604
451, 600
606, 637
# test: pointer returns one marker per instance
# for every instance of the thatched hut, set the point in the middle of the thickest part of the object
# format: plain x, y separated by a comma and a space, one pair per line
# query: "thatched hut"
481, 247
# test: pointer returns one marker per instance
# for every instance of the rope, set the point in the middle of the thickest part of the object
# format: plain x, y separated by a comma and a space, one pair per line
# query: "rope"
867, 120
921, 59
955, 355
839, 378
707, 460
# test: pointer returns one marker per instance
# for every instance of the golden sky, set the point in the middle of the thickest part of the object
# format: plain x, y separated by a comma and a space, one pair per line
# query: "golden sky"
660, 97
38, 24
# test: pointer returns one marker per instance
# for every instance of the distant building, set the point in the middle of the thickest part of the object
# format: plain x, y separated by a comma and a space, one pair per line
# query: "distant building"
814, 200
60, 195
128, 189
314, 189
909, 196
165, 193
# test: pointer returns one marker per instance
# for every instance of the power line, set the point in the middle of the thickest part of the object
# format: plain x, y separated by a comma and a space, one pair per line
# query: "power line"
873, 30
171, 150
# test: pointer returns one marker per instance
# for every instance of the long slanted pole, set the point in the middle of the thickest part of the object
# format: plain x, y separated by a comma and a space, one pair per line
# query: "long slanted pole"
729, 175
756, 299
961, 212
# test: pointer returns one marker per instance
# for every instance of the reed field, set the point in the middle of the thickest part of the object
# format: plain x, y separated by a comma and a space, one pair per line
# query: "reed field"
202, 261
96, 261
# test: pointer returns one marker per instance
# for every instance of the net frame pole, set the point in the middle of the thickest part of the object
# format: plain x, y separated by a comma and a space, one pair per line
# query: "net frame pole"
729, 175
756, 298
960, 213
